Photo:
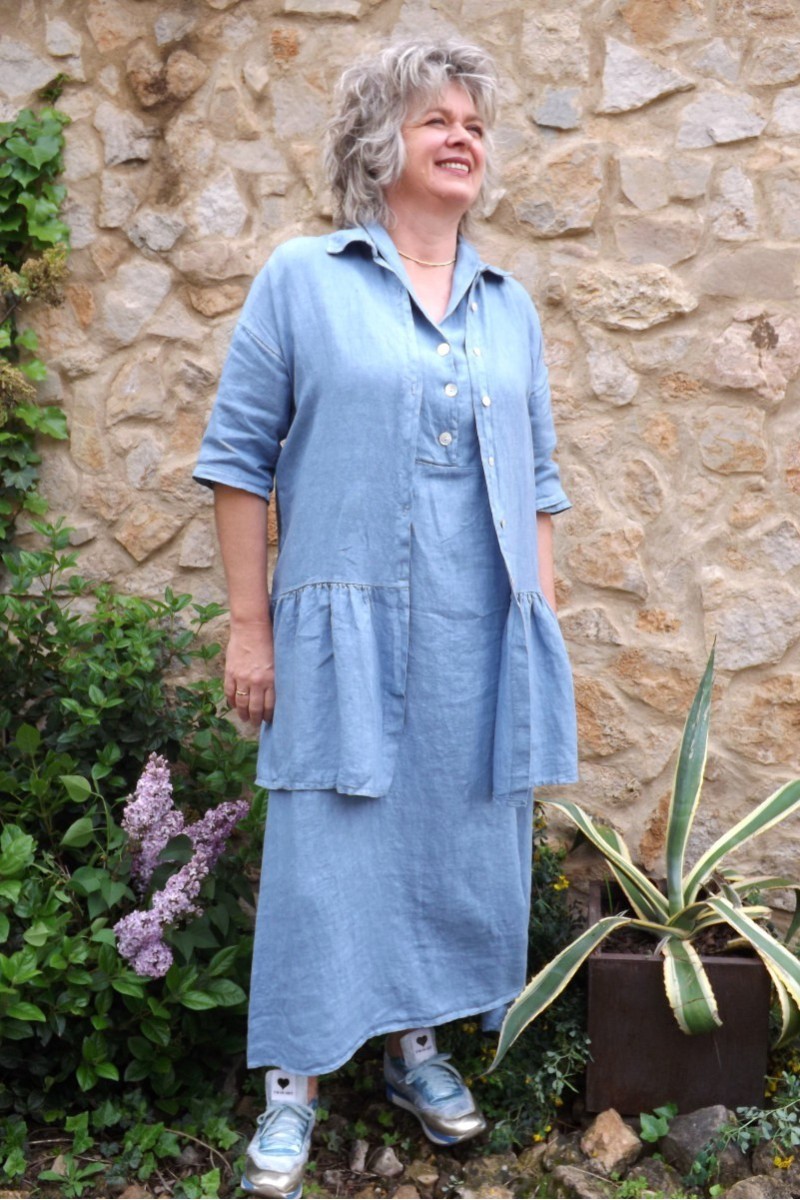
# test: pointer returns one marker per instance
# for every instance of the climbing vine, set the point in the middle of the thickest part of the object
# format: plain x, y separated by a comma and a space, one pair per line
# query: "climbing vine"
33, 256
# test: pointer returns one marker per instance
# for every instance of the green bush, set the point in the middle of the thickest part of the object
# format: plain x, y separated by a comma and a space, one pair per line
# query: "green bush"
85, 697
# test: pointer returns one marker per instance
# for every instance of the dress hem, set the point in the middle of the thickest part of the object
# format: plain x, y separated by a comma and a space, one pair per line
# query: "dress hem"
399, 1023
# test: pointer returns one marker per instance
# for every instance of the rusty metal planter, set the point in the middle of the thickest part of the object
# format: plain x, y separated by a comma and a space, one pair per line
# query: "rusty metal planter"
640, 1057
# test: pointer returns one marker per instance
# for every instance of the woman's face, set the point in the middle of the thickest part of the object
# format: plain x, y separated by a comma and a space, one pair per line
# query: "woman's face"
445, 155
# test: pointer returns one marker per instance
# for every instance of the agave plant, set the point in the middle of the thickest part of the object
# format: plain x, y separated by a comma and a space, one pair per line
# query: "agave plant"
694, 899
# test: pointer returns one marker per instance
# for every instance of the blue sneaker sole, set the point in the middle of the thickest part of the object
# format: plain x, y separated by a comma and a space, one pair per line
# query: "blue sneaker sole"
441, 1139
251, 1190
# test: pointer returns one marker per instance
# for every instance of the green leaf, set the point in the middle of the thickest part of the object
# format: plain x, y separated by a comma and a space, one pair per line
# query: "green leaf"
34, 369
23, 1011
43, 150
687, 786
550, 983
78, 789
86, 1077
128, 985
688, 988
79, 834
16, 851
198, 1000
222, 960
107, 1070
777, 958
226, 992
28, 339
27, 739
777, 807
5, 927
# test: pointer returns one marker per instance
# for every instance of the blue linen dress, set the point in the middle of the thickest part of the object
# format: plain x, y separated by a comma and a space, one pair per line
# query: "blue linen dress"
411, 909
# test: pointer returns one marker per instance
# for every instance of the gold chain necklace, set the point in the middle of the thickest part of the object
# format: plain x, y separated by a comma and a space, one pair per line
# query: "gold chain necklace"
422, 263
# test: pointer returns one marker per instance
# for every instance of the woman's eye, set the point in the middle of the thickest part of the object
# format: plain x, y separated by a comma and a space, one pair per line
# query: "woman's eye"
476, 130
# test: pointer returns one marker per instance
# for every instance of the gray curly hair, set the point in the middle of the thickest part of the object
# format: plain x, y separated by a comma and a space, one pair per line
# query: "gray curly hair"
364, 151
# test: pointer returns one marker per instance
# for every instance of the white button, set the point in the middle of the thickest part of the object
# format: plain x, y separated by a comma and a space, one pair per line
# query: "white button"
476, 350
486, 401
502, 522
443, 349
491, 461
450, 389
445, 438
474, 306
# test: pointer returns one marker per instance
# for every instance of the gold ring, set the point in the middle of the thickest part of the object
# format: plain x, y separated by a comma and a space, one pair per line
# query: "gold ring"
242, 693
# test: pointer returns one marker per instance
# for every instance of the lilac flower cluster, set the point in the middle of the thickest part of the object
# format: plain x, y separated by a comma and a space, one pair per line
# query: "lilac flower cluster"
150, 821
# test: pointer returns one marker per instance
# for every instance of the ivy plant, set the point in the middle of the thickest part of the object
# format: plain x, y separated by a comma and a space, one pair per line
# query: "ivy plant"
33, 257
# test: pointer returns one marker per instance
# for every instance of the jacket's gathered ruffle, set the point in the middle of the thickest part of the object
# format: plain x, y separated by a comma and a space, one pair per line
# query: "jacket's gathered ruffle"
535, 738
340, 659
340, 663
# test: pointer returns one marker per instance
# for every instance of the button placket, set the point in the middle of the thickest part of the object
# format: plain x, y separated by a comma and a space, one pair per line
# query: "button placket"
484, 419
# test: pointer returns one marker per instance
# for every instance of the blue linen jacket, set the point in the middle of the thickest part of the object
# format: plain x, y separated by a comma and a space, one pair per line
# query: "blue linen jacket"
320, 396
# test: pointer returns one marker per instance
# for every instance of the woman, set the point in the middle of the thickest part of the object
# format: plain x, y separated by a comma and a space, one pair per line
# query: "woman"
409, 672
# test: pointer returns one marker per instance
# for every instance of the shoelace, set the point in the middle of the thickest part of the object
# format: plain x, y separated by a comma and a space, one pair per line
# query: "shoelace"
283, 1128
438, 1079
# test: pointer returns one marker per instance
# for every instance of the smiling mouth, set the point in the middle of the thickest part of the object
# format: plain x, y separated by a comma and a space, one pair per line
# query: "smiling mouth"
459, 167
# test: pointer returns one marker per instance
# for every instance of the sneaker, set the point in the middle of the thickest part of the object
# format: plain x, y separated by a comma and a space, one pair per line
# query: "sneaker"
427, 1085
278, 1152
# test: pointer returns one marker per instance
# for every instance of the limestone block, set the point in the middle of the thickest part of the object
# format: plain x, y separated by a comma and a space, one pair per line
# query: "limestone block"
553, 45
631, 80
82, 158
216, 260
775, 62
212, 302
611, 378
643, 488
184, 74
154, 230
261, 158
141, 464
113, 24
732, 439
659, 353
783, 193
589, 625
657, 620
108, 79
610, 1144
644, 180
689, 177
327, 8
81, 301
754, 627
665, 680
137, 391
61, 39
230, 117
754, 273
689, 1133
147, 528
146, 76
174, 25
720, 60
667, 239
629, 297
611, 560
190, 144
782, 546
786, 113
764, 720
119, 198
22, 71
653, 22
219, 208
558, 108
750, 508
198, 546
255, 73
175, 322
566, 197
759, 353
300, 110
125, 137
140, 289
733, 209
717, 117
602, 725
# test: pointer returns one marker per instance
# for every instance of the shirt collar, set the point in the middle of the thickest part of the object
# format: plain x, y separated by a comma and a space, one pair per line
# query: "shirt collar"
468, 261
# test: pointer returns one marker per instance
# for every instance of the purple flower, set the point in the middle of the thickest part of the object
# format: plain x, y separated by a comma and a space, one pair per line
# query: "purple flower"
150, 821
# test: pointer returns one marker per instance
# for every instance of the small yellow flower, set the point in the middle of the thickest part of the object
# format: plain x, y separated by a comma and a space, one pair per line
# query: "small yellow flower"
537, 1137
528, 1079
783, 1163
468, 1081
470, 1027
558, 1102
547, 1128
561, 884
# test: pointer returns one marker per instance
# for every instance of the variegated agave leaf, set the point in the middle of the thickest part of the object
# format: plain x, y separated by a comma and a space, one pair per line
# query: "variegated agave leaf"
778, 958
686, 787
688, 988
550, 982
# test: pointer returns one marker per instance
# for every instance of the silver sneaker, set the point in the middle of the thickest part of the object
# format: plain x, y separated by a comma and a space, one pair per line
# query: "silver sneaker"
430, 1087
278, 1152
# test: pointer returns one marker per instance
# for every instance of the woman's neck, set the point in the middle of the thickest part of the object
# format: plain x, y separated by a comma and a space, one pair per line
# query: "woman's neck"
425, 237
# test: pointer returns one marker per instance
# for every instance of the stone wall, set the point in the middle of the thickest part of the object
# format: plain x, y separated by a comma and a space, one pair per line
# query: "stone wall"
650, 201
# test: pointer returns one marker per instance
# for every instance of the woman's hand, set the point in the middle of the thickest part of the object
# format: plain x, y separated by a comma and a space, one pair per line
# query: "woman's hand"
250, 671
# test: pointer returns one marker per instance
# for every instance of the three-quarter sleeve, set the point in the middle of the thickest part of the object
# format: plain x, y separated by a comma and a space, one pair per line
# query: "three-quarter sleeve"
252, 411
550, 496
